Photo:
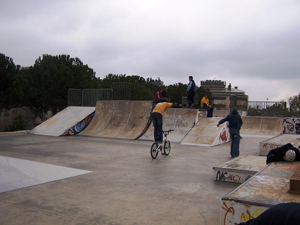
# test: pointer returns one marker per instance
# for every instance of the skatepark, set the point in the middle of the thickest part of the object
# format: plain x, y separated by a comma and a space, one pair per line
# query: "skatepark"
101, 175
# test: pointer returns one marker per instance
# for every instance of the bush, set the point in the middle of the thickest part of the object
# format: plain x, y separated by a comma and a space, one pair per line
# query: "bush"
19, 123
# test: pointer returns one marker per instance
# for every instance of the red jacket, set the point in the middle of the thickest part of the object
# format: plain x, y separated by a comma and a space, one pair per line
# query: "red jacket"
157, 96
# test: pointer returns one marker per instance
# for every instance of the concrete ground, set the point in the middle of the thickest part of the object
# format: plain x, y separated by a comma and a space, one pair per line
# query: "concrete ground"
126, 186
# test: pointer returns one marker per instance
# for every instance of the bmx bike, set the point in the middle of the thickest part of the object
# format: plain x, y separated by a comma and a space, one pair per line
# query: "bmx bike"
164, 147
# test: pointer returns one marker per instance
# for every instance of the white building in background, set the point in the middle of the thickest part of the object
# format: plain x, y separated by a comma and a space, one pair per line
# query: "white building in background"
222, 94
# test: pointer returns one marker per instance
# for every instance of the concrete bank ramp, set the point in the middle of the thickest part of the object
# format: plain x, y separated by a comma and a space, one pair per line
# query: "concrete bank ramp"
119, 119
269, 126
180, 120
278, 141
206, 133
62, 121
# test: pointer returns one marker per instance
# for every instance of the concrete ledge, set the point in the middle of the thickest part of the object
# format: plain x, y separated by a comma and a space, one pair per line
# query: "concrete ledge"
239, 169
267, 188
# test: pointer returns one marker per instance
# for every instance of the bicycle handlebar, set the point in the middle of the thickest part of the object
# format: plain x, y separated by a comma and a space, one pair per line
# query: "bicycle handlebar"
167, 131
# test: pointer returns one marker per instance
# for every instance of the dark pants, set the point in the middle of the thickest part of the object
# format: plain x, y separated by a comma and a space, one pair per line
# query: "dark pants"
190, 97
210, 111
157, 123
235, 142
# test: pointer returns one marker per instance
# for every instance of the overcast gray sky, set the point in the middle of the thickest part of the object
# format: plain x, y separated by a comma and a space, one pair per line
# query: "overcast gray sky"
252, 44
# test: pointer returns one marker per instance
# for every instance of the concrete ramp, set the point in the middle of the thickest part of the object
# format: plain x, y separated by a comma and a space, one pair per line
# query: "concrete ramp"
62, 121
206, 133
269, 187
278, 141
239, 169
178, 119
269, 126
119, 119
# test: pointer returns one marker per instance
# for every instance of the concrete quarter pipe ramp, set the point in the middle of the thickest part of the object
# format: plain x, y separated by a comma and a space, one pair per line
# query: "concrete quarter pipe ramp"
178, 119
62, 121
262, 125
206, 133
119, 119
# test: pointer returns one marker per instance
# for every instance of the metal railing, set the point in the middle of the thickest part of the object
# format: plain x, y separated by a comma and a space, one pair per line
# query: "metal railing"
89, 97
74, 97
122, 90
267, 108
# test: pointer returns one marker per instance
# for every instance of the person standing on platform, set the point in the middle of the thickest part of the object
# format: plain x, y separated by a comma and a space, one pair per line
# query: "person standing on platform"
235, 124
191, 91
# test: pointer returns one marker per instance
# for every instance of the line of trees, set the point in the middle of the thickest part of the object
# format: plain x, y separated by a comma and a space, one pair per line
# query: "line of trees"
44, 86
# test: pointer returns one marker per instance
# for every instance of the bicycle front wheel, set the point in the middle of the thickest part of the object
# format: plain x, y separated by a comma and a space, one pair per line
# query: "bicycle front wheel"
167, 147
154, 150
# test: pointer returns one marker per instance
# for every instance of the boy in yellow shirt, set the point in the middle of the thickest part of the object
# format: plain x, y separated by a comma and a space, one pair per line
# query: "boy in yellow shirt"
157, 117
205, 104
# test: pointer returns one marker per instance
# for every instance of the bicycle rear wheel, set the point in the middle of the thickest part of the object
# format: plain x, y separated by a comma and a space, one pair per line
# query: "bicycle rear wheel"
154, 150
167, 147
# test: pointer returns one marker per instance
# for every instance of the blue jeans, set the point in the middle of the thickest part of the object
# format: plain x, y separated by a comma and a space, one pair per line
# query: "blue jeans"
210, 110
157, 123
235, 142
190, 97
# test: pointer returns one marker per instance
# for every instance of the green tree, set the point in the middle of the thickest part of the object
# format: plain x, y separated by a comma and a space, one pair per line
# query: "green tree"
177, 91
51, 77
44, 86
19, 123
141, 88
8, 77
294, 102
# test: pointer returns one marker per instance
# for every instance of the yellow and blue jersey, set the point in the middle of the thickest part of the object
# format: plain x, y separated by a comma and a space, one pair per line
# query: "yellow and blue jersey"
161, 107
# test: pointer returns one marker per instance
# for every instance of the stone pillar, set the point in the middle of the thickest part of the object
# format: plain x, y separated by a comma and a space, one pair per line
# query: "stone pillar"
233, 102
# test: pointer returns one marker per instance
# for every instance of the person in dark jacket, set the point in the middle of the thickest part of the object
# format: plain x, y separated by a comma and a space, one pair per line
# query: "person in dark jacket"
191, 91
281, 214
235, 123
278, 154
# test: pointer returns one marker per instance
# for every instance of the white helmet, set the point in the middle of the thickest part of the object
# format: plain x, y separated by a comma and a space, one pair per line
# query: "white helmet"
290, 155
